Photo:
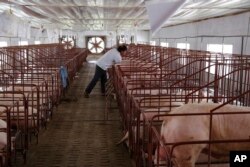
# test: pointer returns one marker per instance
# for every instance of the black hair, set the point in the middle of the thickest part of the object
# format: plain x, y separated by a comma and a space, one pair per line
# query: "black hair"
122, 48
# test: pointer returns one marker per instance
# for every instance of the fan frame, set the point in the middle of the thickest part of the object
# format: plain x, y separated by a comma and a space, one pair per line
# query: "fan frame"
104, 40
69, 44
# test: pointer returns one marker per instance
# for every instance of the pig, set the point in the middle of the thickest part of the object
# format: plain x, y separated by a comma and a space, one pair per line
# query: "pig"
196, 128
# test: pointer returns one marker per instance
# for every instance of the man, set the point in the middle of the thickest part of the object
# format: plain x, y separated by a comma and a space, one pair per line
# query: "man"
113, 56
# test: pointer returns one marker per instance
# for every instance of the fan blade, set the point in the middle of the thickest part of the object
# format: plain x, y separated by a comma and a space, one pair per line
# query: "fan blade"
99, 47
91, 43
91, 40
92, 47
99, 42
99, 50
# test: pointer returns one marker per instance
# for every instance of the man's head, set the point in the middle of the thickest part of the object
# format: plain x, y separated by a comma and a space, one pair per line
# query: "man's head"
122, 49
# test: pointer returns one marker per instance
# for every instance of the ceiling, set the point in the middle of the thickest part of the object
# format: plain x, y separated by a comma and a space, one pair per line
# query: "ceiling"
114, 14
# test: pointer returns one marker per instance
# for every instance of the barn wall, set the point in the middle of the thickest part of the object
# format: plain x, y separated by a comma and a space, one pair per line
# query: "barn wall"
236, 25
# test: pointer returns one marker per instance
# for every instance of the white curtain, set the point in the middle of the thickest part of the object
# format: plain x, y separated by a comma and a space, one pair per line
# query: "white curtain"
9, 24
159, 12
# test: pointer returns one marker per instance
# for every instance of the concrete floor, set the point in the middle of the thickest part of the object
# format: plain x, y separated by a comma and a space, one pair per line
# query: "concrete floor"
78, 135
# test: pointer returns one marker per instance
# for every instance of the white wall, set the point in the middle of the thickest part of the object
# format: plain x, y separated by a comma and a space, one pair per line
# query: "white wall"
110, 37
142, 36
236, 25
11, 41
43, 36
14, 29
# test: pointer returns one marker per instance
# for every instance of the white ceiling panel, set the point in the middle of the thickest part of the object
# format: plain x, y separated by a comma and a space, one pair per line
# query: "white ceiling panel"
114, 14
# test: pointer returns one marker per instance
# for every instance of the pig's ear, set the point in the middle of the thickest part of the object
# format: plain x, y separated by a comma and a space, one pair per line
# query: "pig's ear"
163, 126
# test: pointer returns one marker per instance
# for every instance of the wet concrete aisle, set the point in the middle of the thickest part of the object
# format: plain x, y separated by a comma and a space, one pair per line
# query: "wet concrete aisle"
78, 135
